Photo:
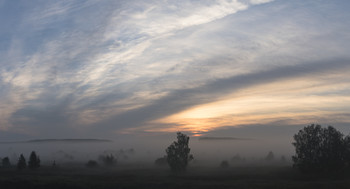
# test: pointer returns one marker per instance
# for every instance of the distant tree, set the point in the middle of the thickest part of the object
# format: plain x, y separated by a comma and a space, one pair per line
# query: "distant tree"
34, 161
108, 160
270, 156
161, 161
91, 164
224, 164
178, 153
21, 164
319, 149
6, 162
283, 159
54, 165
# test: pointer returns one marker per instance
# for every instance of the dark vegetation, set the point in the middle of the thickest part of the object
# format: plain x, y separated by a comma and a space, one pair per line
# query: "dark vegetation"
108, 160
321, 160
91, 164
178, 153
21, 164
321, 149
34, 161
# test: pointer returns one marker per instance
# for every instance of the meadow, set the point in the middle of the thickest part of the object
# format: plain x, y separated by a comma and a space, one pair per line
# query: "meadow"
149, 176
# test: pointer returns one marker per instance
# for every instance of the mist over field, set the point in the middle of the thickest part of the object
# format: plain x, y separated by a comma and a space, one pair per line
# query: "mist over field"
86, 82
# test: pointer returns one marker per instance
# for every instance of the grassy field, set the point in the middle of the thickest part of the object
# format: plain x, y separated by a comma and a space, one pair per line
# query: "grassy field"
153, 177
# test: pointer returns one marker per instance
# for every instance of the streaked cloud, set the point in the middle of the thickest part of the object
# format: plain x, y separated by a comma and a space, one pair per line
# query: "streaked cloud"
98, 68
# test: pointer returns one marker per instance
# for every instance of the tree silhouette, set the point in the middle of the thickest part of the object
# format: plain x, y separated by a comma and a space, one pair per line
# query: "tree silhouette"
178, 153
21, 164
34, 161
108, 160
270, 156
224, 164
319, 149
6, 162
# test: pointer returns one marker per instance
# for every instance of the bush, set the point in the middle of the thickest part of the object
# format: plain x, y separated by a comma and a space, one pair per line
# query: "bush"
224, 164
6, 162
91, 164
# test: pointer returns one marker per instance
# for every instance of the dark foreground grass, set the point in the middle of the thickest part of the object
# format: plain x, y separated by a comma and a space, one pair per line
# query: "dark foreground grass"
195, 177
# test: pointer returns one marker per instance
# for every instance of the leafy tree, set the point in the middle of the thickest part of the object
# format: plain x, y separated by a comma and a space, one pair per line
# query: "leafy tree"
34, 161
319, 149
108, 160
178, 153
21, 164
6, 162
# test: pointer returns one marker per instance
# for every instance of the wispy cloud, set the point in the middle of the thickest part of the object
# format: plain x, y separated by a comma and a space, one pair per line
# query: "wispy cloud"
127, 64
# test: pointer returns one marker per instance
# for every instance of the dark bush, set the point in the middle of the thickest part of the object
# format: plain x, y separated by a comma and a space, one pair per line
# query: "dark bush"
91, 164
6, 162
224, 164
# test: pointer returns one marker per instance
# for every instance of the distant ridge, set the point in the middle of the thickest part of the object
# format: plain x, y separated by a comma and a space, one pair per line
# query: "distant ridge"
223, 138
61, 140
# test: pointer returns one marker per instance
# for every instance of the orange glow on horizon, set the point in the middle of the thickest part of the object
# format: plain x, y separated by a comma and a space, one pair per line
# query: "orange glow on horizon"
275, 102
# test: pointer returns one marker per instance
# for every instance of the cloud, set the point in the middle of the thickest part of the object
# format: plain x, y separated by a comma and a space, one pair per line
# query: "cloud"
222, 138
256, 2
124, 64
180, 100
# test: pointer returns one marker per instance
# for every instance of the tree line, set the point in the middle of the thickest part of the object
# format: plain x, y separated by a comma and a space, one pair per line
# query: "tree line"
33, 162
317, 149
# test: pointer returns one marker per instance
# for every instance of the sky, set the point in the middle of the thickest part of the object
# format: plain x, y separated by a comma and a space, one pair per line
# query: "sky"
123, 68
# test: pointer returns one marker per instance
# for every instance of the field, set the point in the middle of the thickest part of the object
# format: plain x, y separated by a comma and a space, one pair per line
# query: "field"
154, 177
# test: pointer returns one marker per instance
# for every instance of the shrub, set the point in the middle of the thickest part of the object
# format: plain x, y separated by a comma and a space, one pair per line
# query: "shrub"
91, 164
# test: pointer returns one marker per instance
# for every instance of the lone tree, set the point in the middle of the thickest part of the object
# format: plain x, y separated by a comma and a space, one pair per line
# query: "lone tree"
34, 161
319, 149
21, 164
270, 156
178, 153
